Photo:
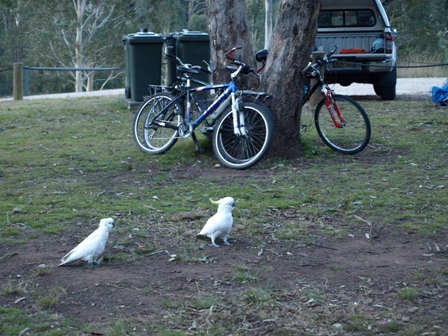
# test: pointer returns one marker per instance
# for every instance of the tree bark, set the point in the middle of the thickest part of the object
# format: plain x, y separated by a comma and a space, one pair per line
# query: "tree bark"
228, 28
289, 52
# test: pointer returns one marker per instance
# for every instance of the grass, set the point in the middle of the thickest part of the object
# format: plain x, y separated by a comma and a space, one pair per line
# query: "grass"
70, 161
409, 293
49, 300
74, 163
416, 61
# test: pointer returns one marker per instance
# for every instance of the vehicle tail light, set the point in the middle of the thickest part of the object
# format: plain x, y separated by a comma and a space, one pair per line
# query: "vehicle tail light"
389, 43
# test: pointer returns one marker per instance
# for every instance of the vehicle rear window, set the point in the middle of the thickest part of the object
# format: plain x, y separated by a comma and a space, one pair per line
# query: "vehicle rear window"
346, 18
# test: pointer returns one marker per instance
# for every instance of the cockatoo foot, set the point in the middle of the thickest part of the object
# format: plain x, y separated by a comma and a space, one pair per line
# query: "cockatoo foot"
213, 245
93, 264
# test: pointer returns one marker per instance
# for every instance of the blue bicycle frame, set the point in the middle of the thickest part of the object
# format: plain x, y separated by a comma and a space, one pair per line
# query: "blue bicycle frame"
216, 106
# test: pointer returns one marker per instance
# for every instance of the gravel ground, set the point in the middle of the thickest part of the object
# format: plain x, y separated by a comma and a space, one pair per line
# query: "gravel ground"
405, 86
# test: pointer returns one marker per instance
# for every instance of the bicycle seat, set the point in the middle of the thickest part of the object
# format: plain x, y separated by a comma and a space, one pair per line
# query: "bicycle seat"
193, 70
262, 55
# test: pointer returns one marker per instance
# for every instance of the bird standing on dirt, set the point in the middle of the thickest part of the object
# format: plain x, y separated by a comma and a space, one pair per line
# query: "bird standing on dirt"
91, 247
219, 225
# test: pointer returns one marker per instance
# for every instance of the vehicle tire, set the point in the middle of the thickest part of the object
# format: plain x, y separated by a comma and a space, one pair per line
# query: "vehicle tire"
354, 136
385, 86
148, 136
378, 89
388, 93
243, 151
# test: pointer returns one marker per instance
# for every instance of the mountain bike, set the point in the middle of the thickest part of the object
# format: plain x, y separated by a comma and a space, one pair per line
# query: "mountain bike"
340, 121
241, 131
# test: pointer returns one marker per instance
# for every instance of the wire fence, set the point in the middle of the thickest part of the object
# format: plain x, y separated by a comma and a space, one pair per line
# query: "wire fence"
27, 69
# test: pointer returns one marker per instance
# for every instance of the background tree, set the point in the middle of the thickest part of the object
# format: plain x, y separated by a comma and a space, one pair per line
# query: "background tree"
260, 16
197, 15
420, 24
161, 16
76, 35
268, 17
15, 23
45, 34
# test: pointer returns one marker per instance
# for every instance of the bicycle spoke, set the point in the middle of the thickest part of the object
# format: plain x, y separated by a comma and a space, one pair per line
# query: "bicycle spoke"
242, 151
151, 130
354, 133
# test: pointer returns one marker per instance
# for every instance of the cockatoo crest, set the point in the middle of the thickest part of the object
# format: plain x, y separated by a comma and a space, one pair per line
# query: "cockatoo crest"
219, 225
91, 247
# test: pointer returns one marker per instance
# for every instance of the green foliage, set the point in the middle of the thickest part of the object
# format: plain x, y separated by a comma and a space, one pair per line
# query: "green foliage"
418, 24
198, 23
256, 20
44, 35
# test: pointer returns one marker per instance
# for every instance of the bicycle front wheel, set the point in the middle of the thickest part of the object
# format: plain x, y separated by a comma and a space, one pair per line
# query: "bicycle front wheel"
241, 151
149, 134
354, 133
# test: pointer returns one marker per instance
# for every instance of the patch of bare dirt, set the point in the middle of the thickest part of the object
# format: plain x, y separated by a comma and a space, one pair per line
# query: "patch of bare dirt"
130, 290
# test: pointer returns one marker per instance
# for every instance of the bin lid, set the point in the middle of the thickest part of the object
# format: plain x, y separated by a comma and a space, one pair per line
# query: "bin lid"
145, 37
189, 35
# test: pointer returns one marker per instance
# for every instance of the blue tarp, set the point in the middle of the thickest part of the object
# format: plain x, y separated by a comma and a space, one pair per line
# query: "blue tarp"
439, 95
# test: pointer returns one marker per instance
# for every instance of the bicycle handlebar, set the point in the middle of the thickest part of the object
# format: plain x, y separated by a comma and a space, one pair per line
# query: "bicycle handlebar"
320, 61
228, 52
245, 69
178, 61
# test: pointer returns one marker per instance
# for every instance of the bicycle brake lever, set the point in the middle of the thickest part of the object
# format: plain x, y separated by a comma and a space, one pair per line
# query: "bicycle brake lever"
209, 68
328, 56
174, 58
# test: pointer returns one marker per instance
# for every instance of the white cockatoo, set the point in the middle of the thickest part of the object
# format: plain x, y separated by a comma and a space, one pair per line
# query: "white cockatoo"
91, 247
219, 225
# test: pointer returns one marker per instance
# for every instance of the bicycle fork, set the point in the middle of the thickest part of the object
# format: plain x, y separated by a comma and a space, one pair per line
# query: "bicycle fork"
328, 103
239, 127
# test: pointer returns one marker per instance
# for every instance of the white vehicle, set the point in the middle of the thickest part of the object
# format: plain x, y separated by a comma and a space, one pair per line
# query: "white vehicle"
366, 49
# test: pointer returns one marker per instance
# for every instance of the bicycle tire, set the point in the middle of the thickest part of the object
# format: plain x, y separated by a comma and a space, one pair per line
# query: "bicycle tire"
148, 136
241, 152
354, 136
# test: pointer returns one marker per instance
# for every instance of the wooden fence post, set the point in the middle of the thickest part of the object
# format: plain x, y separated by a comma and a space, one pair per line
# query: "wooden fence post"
17, 82
317, 95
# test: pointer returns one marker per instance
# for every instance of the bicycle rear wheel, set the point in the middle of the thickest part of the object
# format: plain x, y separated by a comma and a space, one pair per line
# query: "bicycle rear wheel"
243, 151
353, 136
149, 136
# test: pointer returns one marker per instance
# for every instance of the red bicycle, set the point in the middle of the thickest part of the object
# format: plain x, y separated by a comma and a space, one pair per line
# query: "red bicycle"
340, 121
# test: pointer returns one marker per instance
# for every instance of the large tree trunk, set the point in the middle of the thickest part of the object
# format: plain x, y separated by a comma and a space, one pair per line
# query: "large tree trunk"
228, 28
289, 52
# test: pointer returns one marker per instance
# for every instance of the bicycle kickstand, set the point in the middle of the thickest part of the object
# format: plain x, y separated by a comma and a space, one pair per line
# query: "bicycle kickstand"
196, 143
